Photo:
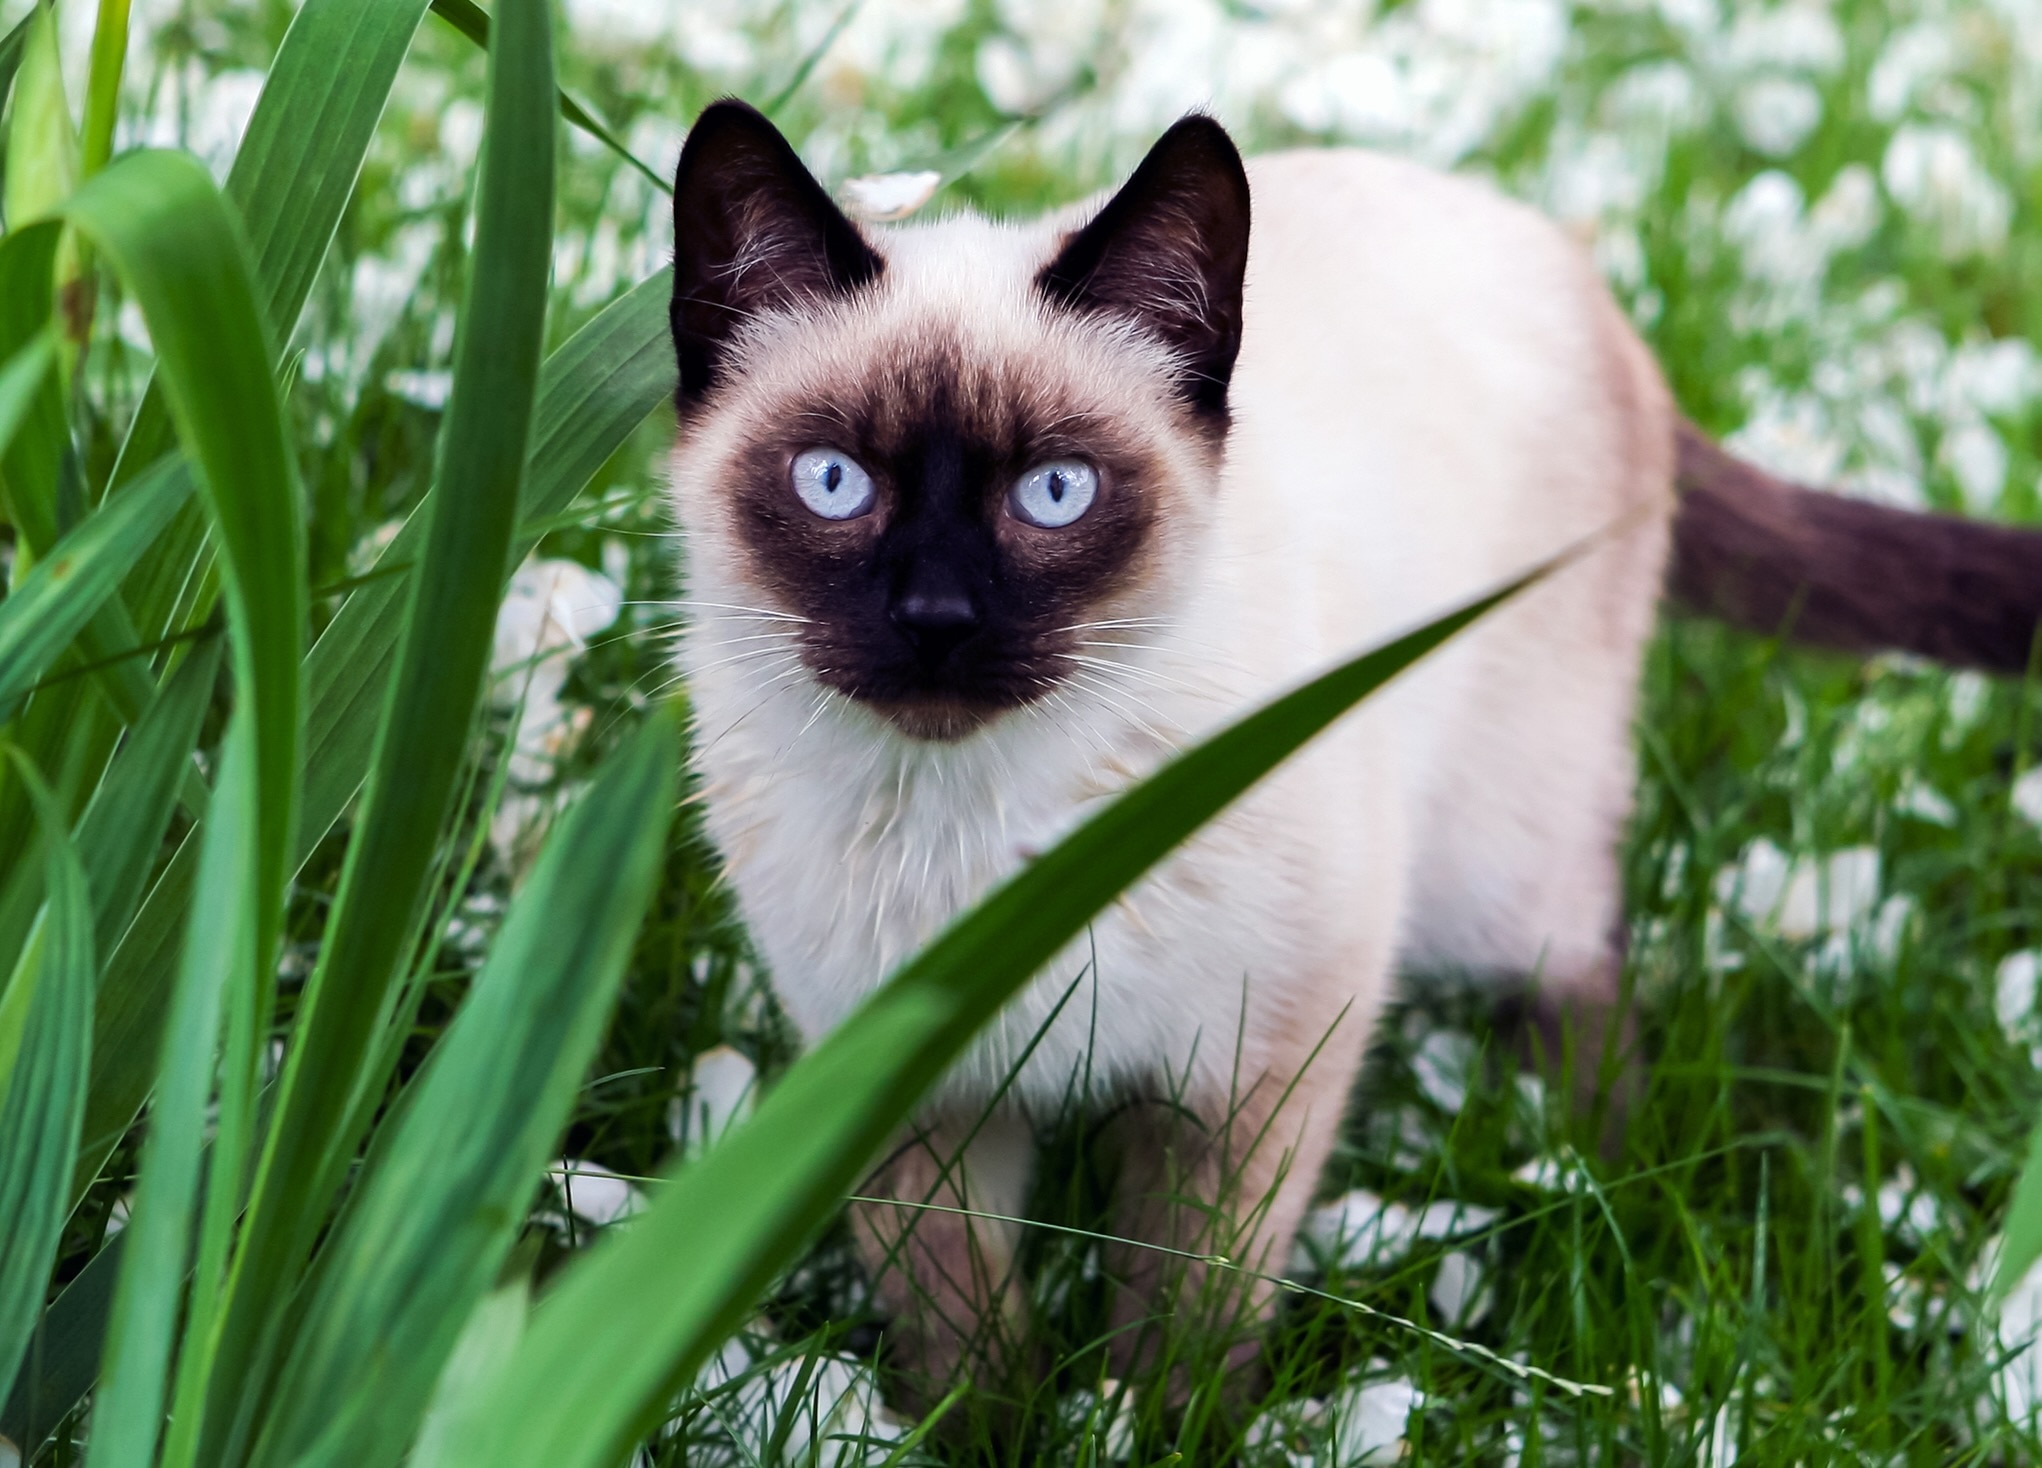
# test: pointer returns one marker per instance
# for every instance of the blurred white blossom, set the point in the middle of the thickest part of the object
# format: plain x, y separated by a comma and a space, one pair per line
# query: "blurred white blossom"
886, 196
722, 1087
550, 611
1932, 172
594, 1194
825, 1411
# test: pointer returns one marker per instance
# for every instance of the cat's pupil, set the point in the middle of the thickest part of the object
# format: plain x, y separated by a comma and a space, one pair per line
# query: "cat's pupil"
832, 477
1056, 488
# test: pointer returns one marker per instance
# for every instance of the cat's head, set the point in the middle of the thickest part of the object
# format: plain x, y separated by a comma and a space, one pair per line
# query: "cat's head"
935, 458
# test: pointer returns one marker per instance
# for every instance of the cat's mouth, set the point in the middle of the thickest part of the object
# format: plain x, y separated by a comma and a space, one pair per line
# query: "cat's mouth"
938, 720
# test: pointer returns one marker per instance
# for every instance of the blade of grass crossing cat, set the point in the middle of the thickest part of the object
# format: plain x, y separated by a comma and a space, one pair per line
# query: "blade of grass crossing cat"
627, 1324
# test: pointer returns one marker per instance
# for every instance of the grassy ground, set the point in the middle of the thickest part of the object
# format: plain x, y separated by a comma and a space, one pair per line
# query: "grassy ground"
1823, 216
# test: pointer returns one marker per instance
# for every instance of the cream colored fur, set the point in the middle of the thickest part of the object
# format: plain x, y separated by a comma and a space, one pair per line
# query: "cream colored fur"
1434, 393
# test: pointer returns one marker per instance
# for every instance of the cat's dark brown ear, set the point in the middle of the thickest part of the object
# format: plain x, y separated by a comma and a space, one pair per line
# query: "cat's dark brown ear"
1168, 252
753, 231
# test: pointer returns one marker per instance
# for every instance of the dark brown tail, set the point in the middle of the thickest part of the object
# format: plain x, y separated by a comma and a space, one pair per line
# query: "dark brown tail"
1774, 557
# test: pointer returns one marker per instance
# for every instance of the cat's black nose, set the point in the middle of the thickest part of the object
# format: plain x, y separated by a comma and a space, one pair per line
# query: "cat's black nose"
935, 622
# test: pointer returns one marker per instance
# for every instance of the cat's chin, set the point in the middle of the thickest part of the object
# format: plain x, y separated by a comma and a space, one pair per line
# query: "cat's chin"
937, 720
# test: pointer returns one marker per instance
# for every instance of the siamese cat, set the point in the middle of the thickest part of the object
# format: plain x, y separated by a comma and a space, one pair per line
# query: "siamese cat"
983, 520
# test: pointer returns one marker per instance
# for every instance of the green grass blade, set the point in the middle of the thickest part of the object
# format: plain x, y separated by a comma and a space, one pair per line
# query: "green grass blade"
812, 59
160, 222
423, 737
28, 256
627, 1324
129, 1407
103, 84
296, 168
21, 380
11, 46
473, 22
443, 1194
42, 148
64, 1359
48, 1007
597, 387
65, 589
122, 830
2023, 1238
595, 390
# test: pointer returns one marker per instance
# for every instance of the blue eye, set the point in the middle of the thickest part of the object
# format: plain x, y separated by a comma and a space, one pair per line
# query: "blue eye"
831, 484
1055, 494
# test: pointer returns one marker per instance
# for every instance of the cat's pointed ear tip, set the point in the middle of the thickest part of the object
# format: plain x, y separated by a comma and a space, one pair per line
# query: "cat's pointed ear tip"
1203, 132
727, 122
733, 111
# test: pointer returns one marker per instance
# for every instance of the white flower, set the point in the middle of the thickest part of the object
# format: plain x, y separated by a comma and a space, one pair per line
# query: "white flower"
1108, 1413
2027, 796
1906, 1210
752, 1399
1370, 1419
1934, 175
222, 117
461, 132
1442, 1064
1977, 460
428, 390
1800, 36
1549, 1174
1461, 1293
1991, 377
1359, 1228
722, 1086
1776, 114
1926, 803
2013, 992
2017, 1328
1912, 57
382, 286
595, 1194
1802, 899
881, 197
616, 25
552, 608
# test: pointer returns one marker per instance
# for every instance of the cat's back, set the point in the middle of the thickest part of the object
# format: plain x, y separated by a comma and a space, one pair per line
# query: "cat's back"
1434, 386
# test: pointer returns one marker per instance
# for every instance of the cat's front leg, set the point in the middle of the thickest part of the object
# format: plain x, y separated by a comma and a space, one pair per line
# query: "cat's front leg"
946, 1274
1212, 1190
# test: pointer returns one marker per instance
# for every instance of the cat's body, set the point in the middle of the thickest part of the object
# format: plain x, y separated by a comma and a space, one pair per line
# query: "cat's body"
1433, 393
1401, 441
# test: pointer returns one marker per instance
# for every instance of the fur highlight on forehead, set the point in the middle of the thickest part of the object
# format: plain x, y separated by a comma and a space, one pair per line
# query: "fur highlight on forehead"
956, 310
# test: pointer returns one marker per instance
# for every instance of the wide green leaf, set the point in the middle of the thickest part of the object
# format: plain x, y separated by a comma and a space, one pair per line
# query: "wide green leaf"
628, 1324
21, 378
45, 1028
159, 220
444, 1191
42, 145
